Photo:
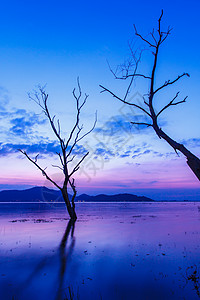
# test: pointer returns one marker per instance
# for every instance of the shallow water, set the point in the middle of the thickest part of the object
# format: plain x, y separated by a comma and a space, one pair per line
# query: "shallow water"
115, 251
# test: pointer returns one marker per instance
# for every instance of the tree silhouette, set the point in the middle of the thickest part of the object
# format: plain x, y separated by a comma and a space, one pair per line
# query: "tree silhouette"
129, 71
66, 155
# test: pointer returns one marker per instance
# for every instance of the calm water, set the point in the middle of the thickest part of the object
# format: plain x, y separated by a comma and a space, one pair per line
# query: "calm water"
115, 251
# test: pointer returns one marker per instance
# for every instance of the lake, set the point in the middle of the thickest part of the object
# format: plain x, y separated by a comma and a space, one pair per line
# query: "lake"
114, 251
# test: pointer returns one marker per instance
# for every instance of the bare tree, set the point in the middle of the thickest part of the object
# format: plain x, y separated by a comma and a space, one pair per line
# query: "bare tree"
66, 155
129, 71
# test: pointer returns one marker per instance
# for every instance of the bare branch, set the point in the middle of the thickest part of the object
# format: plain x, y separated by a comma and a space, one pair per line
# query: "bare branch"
172, 103
42, 170
42, 96
152, 34
111, 70
133, 75
141, 123
74, 191
168, 82
55, 166
146, 41
132, 78
78, 107
58, 127
78, 139
166, 34
127, 72
88, 132
159, 21
157, 40
75, 142
145, 102
36, 157
70, 160
128, 89
127, 69
76, 168
115, 96
35, 96
51, 120
61, 160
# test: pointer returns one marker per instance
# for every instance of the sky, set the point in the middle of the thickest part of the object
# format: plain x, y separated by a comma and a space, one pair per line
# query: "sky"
52, 43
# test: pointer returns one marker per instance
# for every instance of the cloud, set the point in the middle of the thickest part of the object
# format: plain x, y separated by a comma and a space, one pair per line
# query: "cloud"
4, 98
48, 148
19, 124
115, 136
103, 152
42, 148
193, 142
114, 126
79, 150
128, 151
23, 126
121, 125
139, 153
115, 139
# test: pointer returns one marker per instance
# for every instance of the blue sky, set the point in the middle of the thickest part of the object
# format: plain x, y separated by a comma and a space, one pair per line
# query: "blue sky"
53, 42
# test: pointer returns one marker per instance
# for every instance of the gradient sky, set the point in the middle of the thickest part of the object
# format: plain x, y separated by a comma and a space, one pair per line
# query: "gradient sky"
53, 42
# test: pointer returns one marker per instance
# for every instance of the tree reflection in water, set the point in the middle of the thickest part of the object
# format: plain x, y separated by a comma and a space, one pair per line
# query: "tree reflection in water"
65, 253
61, 257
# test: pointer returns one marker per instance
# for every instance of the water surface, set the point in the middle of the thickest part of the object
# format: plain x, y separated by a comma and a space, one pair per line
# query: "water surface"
114, 251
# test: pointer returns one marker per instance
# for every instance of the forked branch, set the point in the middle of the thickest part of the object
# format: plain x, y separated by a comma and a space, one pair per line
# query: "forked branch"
158, 37
124, 101
44, 173
168, 82
142, 38
171, 103
76, 168
66, 146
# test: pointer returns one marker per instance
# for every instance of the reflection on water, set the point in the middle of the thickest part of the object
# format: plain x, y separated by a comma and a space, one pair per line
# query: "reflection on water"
65, 255
114, 251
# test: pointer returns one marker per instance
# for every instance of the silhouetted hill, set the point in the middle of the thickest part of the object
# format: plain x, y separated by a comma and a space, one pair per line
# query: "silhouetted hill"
113, 198
43, 194
36, 194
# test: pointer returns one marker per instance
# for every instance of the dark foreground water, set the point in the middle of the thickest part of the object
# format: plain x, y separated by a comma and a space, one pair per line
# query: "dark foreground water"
115, 251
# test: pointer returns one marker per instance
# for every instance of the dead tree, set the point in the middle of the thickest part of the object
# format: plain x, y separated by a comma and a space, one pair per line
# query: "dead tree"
67, 146
129, 72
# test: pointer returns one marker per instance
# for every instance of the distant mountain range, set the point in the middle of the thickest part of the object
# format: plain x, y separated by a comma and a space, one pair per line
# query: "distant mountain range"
43, 194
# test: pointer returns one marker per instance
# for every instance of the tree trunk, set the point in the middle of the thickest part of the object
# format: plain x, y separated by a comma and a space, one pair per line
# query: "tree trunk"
192, 161
70, 208
194, 164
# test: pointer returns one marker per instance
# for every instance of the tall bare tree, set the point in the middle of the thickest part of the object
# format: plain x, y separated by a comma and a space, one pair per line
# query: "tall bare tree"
129, 72
66, 155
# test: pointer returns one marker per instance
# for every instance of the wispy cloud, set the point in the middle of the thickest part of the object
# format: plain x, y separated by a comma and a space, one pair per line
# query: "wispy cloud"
47, 147
23, 126
121, 125
193, 142
114, 139
4, 98
18, 125
43, 148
